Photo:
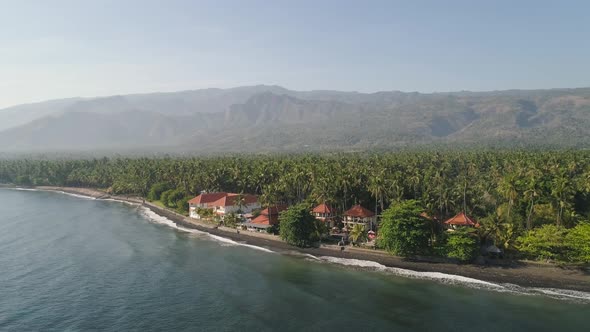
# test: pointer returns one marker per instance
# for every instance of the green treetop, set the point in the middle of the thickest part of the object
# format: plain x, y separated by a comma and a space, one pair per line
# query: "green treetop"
297, 226
403, 231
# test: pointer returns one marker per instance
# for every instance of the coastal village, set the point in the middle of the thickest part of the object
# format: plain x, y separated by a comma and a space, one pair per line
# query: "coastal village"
248, 214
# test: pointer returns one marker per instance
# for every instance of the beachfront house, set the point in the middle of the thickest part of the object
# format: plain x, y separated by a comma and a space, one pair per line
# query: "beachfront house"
359, 215
222, 203
324, 213
266, 219
460, 220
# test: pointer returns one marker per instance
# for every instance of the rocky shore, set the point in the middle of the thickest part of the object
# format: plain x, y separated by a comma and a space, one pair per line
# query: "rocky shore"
525, 274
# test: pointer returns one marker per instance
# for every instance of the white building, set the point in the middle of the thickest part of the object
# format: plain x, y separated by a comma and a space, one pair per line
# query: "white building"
223, 203
359, 215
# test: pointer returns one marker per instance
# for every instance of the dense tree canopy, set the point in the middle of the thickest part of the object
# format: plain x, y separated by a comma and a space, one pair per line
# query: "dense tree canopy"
509, 192
298, 226
403, 230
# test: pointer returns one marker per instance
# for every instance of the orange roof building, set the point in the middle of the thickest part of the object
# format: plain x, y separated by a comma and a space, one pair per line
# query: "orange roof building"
461, 220
231, 199
323, 208
269, 216
203, 199
324, 213
359, 215
222, 203
359, 212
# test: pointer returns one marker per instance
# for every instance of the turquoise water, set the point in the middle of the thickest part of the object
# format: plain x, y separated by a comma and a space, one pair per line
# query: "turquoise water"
74, 264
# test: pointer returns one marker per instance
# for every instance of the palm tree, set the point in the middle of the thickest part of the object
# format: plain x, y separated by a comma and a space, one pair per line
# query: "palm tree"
239, 201
531, 192
358, 234
508, 189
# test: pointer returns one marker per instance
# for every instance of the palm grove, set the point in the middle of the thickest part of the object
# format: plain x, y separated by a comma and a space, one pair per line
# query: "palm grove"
532, 204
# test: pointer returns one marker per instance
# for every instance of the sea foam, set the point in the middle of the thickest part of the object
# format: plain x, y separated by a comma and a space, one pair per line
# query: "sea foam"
452, 279
165, 221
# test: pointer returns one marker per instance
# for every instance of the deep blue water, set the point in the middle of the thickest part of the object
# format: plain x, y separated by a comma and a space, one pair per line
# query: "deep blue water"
75, 264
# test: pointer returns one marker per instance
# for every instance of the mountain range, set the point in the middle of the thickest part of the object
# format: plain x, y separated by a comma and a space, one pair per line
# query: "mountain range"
272, 118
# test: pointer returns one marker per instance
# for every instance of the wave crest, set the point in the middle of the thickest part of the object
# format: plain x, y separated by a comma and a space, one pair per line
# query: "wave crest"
561, 294
165, 221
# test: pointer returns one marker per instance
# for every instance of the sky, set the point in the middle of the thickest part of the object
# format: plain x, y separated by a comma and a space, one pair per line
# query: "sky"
57, 49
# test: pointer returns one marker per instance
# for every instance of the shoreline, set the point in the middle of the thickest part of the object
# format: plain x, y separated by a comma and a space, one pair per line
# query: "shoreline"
523, 274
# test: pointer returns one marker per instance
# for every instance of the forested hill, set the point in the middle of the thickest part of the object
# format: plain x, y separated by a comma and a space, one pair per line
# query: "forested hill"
271, 118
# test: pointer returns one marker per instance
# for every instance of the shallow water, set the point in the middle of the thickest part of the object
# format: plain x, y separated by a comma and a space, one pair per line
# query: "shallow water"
69, 263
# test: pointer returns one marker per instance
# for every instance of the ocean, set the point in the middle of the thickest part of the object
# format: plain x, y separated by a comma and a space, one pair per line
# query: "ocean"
69, 263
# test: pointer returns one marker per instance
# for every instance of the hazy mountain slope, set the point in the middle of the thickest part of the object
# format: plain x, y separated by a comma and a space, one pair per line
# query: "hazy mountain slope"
21, 114
173, 103
80, 130
270, 118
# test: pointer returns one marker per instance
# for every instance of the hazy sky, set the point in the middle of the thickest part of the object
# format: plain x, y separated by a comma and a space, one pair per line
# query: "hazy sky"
53, 49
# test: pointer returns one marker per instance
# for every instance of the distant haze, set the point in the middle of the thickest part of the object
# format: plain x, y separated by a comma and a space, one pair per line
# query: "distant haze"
66, 48
267, 118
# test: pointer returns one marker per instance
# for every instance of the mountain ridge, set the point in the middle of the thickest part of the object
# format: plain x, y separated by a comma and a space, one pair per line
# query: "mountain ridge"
272, 118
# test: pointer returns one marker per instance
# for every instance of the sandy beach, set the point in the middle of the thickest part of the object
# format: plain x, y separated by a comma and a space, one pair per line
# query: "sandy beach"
525, 274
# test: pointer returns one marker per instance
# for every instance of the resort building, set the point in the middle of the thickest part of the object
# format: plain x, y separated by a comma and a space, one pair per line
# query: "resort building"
267, 218
324, 213
222, 203
460, 220
359, 215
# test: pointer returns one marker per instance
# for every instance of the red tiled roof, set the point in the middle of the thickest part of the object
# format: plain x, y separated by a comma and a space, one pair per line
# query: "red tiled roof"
269, 216
323, 208
265, 219
207, 198
461, 220
222, 199
359, 211
230, 200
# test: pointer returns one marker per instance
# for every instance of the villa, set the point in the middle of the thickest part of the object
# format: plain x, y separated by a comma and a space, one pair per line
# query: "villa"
267, 218
460, 220
324, 213
359, 215
223, 203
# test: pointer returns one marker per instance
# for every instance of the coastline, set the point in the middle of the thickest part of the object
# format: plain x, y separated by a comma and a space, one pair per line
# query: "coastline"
523, 274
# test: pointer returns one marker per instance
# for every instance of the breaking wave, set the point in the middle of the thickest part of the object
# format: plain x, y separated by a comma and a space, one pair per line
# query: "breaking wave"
452, 279
151, 215
119, 201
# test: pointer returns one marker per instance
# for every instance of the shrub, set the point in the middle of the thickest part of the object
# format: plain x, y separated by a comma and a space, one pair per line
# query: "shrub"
182, 204
546, 242
462, 245
165, 195
274, 229
171, 198
578, 239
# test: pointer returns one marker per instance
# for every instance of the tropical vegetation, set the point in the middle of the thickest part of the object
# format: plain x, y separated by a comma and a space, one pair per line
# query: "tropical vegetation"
514, 195
298, 226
